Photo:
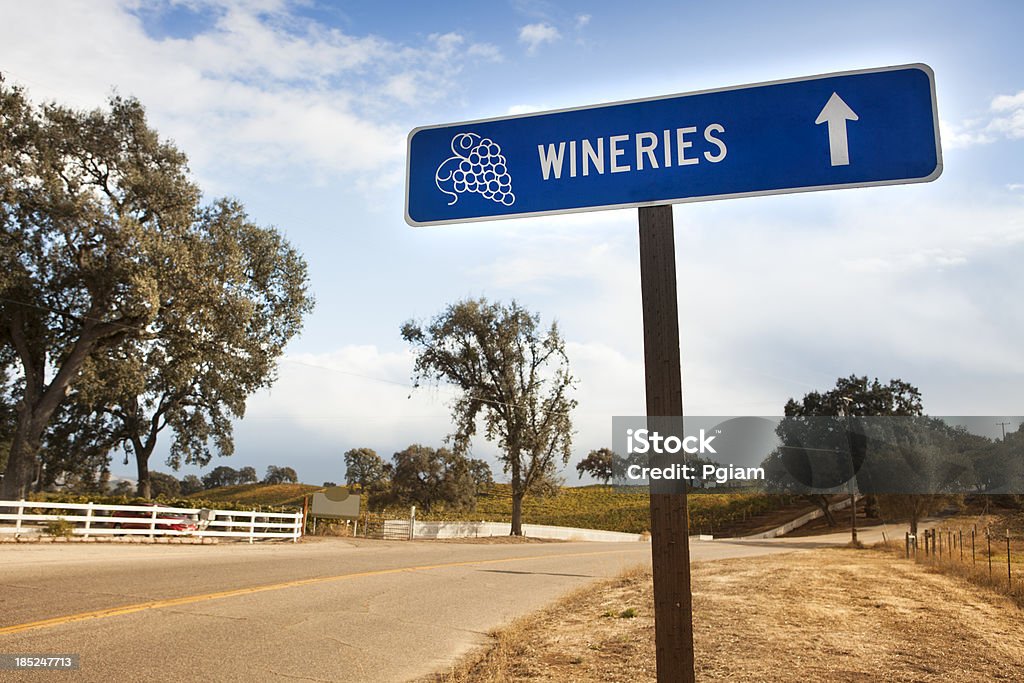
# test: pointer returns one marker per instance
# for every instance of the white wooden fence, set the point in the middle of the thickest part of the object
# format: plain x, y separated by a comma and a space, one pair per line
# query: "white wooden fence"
31, 518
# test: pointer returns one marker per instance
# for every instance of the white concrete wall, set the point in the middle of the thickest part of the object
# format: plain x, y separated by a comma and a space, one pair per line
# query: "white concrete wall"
483, 529
802, 519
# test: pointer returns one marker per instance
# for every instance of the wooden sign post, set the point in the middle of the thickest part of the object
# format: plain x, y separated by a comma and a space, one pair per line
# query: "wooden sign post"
670, 549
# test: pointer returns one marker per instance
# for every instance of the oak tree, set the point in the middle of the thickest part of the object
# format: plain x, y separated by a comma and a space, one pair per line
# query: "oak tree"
511, 373
94, 210
119, 288
363, 467
598, 464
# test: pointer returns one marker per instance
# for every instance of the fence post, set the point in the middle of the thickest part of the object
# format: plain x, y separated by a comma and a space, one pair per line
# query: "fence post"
906, 538
88, 520
300, 522
988, 537
17, 523
252, 525
974, 557
940, 543
152, 523
412, 522
305, 512
1009, 575
961, 532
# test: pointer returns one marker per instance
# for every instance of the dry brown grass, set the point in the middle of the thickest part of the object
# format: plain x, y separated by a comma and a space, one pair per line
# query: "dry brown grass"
977, 568
827, 615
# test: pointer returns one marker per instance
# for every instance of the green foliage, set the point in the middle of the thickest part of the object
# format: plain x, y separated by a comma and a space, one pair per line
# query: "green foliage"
627, 613
426, 477
165, 485
609, 508
59, 527
123, 488
512, 374
290, 495
363, 467
168, 502
247, 475
597, 464
228, 476
125, 296
96, 209
280, 475
191, 484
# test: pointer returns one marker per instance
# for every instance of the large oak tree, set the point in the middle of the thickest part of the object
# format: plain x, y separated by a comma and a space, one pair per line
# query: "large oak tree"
119, 289
513, 374
94, 209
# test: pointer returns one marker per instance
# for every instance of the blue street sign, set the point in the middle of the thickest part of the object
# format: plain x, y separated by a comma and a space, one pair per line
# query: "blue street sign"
851, 129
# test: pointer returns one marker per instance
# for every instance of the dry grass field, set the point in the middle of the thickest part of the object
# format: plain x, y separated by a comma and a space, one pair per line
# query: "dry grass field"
826, 615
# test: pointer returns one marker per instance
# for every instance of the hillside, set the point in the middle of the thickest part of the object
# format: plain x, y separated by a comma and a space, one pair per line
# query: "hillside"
259, 494
589, 507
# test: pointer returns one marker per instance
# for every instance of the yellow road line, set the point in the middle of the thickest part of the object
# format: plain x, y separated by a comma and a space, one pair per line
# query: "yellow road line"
190, 599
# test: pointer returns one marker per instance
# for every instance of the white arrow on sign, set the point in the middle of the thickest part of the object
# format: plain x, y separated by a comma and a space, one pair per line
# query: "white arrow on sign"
836, 113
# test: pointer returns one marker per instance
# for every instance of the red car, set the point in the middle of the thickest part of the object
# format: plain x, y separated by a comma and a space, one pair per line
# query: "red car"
172, 521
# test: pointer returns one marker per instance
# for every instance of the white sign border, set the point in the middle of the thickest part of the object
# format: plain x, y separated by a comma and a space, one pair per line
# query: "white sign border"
685, 200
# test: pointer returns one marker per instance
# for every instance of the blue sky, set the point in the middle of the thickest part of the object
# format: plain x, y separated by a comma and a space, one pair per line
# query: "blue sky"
301, 111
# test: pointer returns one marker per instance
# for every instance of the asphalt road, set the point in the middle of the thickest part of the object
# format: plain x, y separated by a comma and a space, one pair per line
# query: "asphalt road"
331, 610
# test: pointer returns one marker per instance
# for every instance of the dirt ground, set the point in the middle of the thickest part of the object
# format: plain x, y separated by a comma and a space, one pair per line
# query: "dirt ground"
826, 615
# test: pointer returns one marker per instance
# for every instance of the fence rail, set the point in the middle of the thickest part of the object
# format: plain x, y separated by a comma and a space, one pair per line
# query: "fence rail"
37, 518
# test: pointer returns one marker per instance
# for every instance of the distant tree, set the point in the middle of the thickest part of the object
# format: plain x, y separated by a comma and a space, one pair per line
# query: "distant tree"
247, 475
511, 373
481, 473
852, 396
597, 464
76, 449
123, 488
191, 484
329, 484
220, 476
166, 485
364, 467
425, 477
280, 475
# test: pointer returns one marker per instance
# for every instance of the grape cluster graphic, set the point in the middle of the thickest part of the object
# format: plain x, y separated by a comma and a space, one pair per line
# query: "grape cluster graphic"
478, 166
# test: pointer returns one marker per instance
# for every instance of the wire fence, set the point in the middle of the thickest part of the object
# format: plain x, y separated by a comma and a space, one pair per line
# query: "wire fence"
984, 555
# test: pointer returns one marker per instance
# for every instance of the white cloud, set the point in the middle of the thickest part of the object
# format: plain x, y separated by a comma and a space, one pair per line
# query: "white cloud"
1008, 102
582, 21
768, 312
535, 35
1004, 120
356, 393
254, 88
485, 51
963, 135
